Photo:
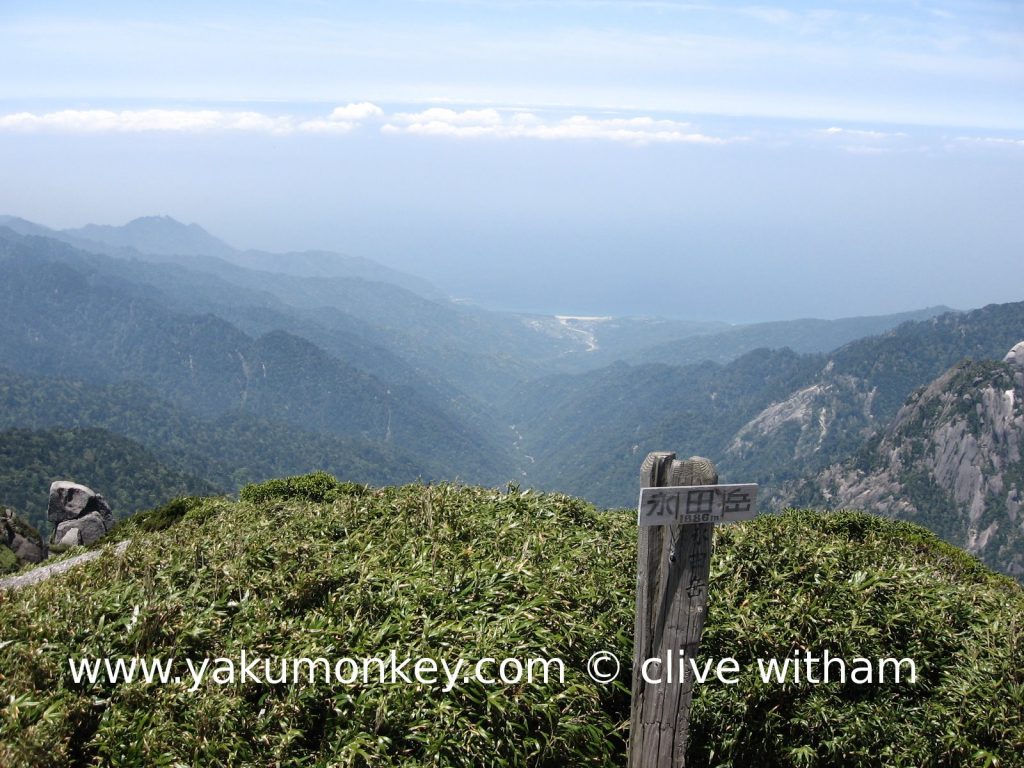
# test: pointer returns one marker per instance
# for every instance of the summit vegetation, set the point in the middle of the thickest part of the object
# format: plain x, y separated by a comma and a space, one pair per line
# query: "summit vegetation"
310, 567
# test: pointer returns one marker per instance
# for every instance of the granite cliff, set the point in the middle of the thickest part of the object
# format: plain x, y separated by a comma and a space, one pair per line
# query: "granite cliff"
951, 459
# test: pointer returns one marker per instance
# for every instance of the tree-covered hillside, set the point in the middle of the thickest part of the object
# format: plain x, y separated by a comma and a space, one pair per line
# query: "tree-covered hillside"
232, 375
768, 417
129, 476
805, 336
227, 452
588, 433
898, 362
82, 322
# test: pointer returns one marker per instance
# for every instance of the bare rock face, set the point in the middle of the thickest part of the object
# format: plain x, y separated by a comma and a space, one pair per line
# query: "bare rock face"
1015, 356
812, 416
81, 515
20, 538
69, 537
68, 501
90, 528
953, 458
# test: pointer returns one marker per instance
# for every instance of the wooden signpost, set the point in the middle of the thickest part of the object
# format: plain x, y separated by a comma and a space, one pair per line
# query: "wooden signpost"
680, 502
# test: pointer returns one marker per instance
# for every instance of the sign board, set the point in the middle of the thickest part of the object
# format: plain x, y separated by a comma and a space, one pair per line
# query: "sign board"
692, 504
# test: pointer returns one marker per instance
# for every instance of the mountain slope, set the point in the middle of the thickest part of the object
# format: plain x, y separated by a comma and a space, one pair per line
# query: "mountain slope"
228, 452
483, 351
129, 476
417, 321
77, 321
588, 433
952, 460
806, 336
164, 236
859, 390
158, 235
257, 312
908, 357
767, 417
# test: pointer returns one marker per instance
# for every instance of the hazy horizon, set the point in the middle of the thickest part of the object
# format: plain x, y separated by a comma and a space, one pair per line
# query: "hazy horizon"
734, 162
461, 299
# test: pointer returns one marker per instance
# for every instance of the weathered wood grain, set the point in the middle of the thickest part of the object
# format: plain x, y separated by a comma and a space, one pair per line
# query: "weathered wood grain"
673, 566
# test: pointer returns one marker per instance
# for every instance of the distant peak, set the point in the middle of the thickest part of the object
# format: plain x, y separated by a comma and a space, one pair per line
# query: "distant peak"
163, 221
160, 235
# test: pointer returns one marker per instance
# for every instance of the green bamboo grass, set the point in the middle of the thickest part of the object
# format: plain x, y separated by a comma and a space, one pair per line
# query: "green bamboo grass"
311, 567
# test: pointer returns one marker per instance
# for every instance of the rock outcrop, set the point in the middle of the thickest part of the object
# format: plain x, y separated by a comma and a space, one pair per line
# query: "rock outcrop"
46, 572
1015, 356
809, 420
81, 515
952, 459
20, 538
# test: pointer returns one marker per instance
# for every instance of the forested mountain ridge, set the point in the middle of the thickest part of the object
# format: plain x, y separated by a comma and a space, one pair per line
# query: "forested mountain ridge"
769, 417
228, 452
588, 433
164, 237
229, 374
792, 423
379, 323
860, 389
128, 475
952, 460
75, 321
188, 290
383, 301
805, 336
443, 340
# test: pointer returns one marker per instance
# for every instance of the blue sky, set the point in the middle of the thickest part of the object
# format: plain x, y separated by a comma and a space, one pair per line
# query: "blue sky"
795, 158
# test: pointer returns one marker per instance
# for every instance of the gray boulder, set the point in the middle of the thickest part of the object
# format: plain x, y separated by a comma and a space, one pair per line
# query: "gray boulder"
81, 515
105, 512
69, 501
90, 527
26, 550
71, 537
20, 538
1016, 355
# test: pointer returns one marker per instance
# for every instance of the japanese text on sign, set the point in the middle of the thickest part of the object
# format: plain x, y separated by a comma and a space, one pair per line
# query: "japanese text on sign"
691, 504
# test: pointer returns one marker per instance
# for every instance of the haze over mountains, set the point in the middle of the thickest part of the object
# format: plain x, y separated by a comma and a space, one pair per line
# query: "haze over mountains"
175, 360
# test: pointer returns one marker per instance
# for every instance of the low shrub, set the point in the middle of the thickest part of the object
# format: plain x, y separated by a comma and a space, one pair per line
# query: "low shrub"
8, 560
316, 487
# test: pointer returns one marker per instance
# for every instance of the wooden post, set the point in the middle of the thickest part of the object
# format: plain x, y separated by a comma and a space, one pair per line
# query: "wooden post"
673, 566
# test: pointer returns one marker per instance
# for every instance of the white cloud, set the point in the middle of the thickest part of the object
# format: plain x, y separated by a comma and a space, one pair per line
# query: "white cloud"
990, 141
492, 123
326, 126
356, 112
341, 120
859, 141
470, 117
435, 121
861, 134
129, 121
